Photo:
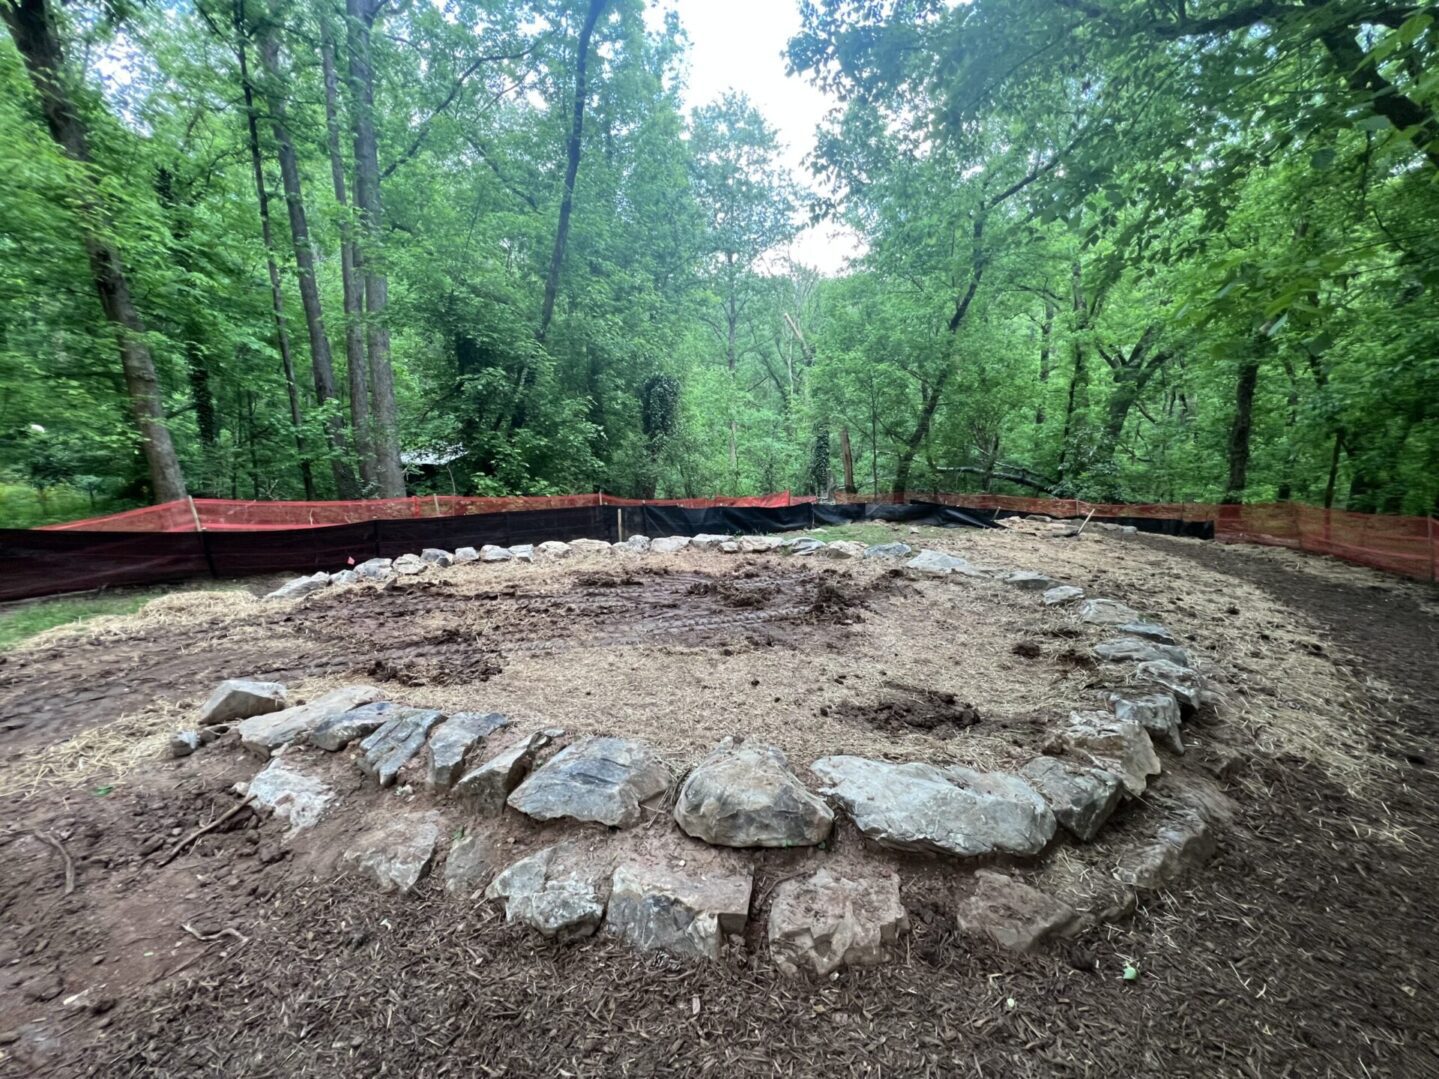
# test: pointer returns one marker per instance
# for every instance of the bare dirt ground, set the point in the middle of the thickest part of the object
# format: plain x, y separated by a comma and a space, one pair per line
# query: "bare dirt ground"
1305, 948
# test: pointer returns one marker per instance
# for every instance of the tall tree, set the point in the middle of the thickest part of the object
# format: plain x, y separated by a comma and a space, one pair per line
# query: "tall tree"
33, 29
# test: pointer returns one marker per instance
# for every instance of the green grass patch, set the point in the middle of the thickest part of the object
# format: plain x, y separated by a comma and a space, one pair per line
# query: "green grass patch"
21, 622
868, 533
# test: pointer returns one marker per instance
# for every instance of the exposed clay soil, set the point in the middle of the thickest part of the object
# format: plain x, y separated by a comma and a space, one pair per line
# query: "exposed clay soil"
1305, 948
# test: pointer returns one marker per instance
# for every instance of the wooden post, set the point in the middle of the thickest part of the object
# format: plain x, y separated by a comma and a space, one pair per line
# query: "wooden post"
194, 514
619, 524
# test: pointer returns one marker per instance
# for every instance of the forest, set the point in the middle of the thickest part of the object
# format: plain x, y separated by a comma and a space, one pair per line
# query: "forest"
1170, 250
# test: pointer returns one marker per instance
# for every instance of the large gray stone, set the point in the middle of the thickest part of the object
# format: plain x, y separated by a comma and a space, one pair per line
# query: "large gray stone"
1061, 594
707, 542
241, 698
374, 569
291, 793
888, 550
757, 544
1158, 713
841, 549
345, 576
454, 740
589, 546
485, 788
686, 913
746, 796
266, 733
557, 891
398, 854
553, 549
492, 553
1081, 798
523, 552
1011, 913
670, 544
1152, 631
409, 564
471, 864
939, 564
822, 922
395, 743
464, 555
338, 731
1183, 842
599, 779
437, 557
1029, 581
1139, 650
301, 586
1107, 612
917, 806
807, 545
1120, 747
634, 545
1184, 682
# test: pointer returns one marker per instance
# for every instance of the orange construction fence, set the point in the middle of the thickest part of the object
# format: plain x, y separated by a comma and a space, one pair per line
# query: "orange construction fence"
1404, 545
240, 515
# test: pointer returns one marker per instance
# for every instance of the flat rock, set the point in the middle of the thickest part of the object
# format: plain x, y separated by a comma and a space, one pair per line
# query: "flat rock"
291, 793
729, 546
599, 779
338, 731
395, 743
917, 806
888, 550
746, 796
345, 576
823, 922
708, 542
1158, 713
1139, 650
374, 569
399, 853
1107, 612
1184, 682
437, 557
939, 564
1081, 797
473, 860
466, 554
1120, 747
589, 546
670, 544
301, 586
1011, 913
807, 546
409, 564
842, 549
485, 788
1061, 594
634, 545
1029, 581
685, 913
241, 698
553, 549
264, 734
523, 552
757, 544
555, 891
1184, 842
491, 553
454, 740
1151, 631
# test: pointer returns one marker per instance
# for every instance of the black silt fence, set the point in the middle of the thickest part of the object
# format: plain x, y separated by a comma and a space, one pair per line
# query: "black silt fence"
36, 563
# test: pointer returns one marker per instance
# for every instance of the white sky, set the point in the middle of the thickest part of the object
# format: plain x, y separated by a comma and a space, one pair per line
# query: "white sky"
739, 45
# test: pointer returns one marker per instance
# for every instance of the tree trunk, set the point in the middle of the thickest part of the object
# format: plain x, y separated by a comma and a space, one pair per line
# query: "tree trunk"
389, 474
34, 34
277, 301
355, 362
572, 165
320, 361
1239, 433
846, 457
930, 398
1046, 332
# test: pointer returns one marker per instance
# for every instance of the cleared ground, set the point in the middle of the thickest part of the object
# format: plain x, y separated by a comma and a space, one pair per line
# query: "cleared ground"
1305, 948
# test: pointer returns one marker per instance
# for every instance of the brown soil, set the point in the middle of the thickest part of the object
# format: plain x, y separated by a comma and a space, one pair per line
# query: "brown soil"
908, 709
1306, 947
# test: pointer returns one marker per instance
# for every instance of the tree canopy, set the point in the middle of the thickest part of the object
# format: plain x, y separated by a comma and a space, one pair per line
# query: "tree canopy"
1159, 251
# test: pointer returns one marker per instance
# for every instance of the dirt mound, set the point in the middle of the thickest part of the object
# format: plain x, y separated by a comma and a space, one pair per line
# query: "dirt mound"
906, 709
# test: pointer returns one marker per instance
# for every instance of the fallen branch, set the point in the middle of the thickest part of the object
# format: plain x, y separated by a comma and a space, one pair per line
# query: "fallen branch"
206, 938
198, 832
46, 837
1019, 476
